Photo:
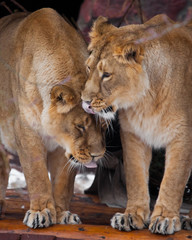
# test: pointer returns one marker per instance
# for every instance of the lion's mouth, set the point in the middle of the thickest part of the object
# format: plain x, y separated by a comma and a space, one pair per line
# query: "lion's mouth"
91, 164
88, 108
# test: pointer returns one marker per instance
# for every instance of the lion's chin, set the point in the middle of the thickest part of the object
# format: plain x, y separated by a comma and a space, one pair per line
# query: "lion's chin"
107, 113
76, 162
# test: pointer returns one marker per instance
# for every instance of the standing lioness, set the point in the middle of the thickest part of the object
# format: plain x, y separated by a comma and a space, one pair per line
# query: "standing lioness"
41, 76
145, 72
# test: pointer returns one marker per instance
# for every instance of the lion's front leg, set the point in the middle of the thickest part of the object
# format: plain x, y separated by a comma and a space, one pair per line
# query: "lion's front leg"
62, 177
42, 210
165, 218
32, 155
137, 157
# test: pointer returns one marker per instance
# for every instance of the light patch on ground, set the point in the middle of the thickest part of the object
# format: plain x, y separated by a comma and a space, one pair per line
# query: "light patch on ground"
16, 179
82, 181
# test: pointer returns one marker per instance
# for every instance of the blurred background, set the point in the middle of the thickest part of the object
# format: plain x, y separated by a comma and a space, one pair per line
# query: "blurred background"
120, 12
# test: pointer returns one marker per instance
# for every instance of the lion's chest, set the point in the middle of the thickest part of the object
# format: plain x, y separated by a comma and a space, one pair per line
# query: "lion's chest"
151, 129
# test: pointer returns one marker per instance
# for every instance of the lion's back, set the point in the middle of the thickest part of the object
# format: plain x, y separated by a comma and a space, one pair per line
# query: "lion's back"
39, 38
37, 51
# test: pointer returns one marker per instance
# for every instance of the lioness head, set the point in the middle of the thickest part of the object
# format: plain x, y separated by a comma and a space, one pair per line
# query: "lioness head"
117, 78
72, 128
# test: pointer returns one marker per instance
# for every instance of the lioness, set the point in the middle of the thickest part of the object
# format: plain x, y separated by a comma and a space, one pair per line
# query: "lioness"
145, 72
42, 73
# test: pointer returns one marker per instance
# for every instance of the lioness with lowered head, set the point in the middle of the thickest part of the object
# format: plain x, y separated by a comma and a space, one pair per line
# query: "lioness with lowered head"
42, 73
145, 72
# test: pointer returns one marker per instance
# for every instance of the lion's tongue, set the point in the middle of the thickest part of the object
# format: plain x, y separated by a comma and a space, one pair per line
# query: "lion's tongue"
87, 108
92, 164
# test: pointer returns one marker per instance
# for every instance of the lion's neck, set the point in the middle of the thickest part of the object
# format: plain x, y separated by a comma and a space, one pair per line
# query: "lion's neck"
146, 118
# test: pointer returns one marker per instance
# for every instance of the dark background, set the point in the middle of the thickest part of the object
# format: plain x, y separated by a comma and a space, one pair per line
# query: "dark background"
68, 8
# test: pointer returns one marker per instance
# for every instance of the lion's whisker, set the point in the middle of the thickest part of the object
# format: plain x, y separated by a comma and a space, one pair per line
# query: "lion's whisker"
71, 167
62, 169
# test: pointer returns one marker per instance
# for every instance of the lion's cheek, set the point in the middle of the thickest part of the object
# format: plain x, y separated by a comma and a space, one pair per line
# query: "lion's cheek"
66, 142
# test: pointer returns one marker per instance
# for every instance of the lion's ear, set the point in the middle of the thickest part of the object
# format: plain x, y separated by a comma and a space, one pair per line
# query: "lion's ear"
100, 27
129, 53
64, 98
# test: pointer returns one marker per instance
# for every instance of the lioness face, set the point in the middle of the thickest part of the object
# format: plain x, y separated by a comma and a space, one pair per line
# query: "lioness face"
74, 129
116, 76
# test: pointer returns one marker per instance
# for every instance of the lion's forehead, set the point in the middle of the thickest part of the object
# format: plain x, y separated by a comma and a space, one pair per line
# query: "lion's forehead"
103, 48
95, 59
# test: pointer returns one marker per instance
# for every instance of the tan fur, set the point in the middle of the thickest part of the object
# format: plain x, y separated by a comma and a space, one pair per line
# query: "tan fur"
145, 72
41, 119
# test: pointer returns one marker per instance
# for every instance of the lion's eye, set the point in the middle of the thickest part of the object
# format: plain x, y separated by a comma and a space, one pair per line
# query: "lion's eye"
106, 75
81, 127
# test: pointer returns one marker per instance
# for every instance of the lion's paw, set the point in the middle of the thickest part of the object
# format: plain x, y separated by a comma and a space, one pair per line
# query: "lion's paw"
186, 222
38, 219
66, 217
165, 225
127, 222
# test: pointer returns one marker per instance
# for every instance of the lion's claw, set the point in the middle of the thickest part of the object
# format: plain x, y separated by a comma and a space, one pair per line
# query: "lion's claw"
69, 218
124, 222
165, 225
38, 219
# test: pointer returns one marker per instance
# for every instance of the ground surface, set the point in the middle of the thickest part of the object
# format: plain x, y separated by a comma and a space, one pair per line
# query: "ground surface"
94, 215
